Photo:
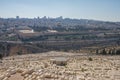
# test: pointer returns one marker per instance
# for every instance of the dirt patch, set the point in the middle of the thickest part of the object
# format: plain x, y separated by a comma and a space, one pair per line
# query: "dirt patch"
16, 76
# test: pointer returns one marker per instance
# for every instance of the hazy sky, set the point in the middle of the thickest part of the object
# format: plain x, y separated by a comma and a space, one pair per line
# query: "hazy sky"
107, 10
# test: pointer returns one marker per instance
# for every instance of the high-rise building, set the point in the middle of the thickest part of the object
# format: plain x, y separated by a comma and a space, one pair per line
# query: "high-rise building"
17, 17
38, 17
44, 17
60, 18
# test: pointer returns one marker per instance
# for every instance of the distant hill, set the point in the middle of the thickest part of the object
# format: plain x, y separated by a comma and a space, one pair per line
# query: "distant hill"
52, 23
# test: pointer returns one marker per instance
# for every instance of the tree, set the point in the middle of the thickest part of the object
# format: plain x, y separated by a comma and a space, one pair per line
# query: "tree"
56, 37
97, 51
113, 52
118, 52
19, 52
1, 56
104, 52
110, 52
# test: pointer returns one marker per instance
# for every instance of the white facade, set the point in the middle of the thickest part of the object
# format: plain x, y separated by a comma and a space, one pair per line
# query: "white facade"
26, 31
53, 31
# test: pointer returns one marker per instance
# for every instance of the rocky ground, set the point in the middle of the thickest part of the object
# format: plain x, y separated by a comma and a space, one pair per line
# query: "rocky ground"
78, 67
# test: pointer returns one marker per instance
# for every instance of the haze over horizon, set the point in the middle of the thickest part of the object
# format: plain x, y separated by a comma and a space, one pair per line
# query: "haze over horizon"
106, 10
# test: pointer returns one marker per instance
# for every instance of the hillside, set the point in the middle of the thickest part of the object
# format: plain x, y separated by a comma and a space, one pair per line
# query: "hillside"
66, 66
25, 35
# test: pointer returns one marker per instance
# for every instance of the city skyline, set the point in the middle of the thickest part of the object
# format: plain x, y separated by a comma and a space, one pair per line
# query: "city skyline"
106, 10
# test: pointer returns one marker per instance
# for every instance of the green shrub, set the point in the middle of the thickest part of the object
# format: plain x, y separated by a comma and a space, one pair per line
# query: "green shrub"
90, 59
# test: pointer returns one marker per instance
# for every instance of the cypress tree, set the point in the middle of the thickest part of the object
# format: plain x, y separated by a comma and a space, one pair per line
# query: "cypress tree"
1, 56
104, 52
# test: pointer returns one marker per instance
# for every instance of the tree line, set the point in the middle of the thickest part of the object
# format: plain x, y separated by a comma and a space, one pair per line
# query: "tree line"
108, 52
